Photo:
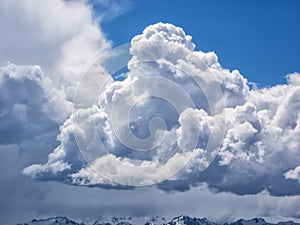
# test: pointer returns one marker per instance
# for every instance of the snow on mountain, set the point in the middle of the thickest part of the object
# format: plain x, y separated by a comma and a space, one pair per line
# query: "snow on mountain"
259, 221
255, 221
52, 221
186, 220
133, 221
179, 220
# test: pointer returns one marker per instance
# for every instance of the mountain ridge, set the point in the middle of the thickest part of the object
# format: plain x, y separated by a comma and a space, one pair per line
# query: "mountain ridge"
157, 220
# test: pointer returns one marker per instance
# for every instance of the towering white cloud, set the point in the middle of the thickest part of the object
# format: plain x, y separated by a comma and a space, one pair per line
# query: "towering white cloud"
254, 134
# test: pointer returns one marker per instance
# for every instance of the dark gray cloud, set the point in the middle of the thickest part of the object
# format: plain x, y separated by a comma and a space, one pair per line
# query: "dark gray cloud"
26, 108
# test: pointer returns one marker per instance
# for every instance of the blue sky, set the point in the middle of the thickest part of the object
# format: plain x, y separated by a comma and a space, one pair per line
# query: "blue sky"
259, 38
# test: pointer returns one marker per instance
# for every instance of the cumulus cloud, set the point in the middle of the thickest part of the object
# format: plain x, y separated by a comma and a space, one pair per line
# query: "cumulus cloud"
59, 36
287, 206
45, 48
180, 118
293, 174
30, 103
43, 60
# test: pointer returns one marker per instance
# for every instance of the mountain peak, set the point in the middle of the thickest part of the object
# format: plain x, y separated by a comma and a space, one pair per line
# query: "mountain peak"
186, 220
59, 220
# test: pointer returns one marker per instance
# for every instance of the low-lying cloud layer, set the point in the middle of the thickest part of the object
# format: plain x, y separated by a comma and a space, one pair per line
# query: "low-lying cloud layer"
213, 127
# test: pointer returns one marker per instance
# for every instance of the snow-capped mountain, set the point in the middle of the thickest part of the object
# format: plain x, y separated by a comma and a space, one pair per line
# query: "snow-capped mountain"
132, 221
186, 220
52, 221
260, 221
179, 220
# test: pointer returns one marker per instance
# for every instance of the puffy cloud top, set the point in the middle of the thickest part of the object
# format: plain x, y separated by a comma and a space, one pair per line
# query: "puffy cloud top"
166, 33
